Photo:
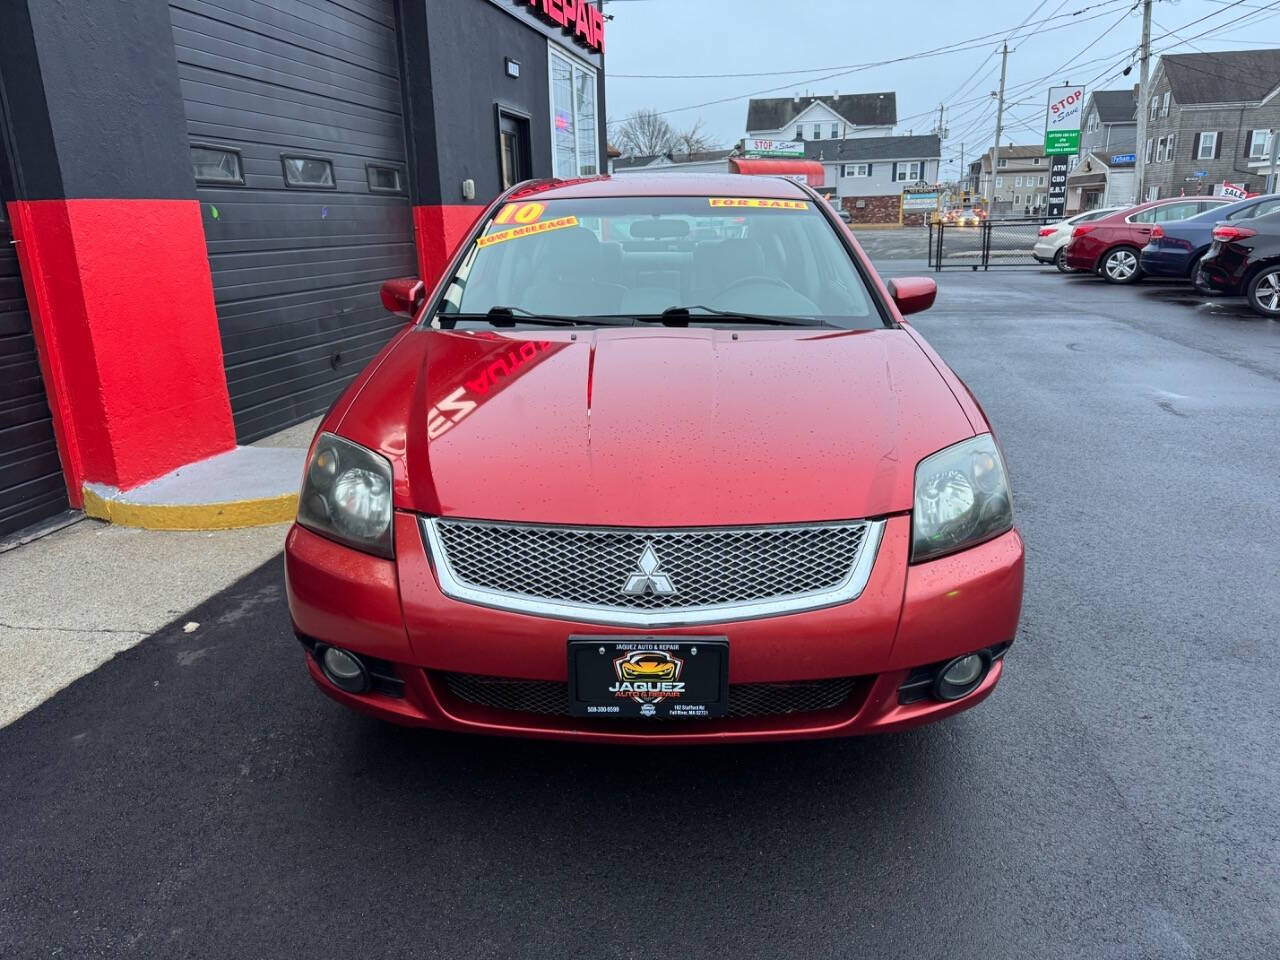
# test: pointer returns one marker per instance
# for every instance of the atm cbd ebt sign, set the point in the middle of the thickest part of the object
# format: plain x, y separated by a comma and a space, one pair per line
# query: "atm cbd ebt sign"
1062, 121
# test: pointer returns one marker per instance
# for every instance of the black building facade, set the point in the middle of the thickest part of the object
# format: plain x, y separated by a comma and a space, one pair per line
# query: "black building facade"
266, 163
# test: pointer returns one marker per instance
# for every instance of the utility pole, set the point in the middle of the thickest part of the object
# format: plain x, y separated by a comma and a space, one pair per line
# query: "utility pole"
964, 172
940, 131
1144, 64
995, 152
1271, 177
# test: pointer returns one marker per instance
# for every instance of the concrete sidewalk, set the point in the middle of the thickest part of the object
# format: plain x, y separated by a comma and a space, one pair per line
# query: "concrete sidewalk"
72, 600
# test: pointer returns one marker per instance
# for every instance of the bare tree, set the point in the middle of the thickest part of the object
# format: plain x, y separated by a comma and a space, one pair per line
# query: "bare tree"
693, 140
646, 133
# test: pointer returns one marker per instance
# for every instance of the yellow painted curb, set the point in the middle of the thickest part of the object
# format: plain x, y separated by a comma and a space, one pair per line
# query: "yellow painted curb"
192, 516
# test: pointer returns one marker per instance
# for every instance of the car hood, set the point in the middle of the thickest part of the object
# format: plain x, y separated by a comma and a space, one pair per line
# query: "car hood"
656, 427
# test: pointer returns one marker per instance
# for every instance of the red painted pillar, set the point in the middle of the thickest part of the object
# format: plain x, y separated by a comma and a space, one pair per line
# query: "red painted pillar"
122, 307
439, 229
96, 166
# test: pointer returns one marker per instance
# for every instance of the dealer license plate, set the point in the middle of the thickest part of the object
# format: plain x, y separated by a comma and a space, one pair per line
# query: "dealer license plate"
648, 676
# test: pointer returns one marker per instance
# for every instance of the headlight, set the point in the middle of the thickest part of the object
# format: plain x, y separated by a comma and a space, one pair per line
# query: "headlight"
962, 498
346, 495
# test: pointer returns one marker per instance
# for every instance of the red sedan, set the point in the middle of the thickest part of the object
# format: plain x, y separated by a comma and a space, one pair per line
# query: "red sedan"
1113, 244
659, 460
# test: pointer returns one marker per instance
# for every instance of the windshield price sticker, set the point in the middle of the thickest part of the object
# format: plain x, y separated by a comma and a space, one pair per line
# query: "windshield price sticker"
758, 202
520, 213
526, 231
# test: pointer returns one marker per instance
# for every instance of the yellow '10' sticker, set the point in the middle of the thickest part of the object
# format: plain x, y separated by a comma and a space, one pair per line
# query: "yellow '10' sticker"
758, 202
526, 231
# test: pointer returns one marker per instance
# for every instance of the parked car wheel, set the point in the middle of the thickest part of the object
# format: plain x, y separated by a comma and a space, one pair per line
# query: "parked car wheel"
1193, 271
1121, 265
1264, 292
1060, 261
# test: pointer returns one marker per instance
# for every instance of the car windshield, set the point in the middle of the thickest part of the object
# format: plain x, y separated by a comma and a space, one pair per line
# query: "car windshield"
622, 259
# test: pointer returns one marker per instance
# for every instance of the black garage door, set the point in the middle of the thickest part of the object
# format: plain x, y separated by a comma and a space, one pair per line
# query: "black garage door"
294, 112
31, 483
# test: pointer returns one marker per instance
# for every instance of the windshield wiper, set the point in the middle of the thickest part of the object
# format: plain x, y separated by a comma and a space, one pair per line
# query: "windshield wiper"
680, 317
510, 316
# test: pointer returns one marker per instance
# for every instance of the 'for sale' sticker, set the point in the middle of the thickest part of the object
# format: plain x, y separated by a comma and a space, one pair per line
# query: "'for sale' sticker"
758, 202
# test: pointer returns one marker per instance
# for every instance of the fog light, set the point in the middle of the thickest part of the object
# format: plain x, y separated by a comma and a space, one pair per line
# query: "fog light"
344, 670
960, 677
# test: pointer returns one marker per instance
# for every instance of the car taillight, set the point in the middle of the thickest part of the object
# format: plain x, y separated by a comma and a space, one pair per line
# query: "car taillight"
1157, 232
1047, 231
1081, 230
1228, 233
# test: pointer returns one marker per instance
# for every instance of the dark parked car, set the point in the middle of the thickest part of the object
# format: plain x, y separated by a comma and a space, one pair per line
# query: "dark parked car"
1244, 259
1111, 246
1176, 247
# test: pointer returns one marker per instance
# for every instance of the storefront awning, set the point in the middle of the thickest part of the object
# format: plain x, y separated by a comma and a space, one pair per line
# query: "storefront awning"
1087, 180
806, 171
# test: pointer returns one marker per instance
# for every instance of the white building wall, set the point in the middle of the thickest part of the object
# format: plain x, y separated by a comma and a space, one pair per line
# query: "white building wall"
880, 183
1119, 192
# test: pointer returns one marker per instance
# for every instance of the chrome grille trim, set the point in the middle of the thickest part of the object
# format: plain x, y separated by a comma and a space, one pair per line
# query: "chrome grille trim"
841, 586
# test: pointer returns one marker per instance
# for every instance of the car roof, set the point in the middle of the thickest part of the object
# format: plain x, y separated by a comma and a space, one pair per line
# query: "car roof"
1125, 212
665, 185
1227, 209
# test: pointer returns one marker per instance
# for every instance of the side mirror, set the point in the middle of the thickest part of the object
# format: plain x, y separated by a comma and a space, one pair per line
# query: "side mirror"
403, 295
913, 294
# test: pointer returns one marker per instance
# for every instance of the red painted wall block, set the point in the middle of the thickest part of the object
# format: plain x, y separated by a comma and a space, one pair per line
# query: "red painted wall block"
122, 306
440, 230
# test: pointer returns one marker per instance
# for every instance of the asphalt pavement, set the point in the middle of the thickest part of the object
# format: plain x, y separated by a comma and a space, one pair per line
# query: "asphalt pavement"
1117, 797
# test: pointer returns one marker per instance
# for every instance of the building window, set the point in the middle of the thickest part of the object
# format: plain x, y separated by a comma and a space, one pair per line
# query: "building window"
1035, 161
799, 131
1155, 108
835, 131
1259, 144
817, 131
384, 179
216, 164
1160, 150
857, 170
1017, 181
1164, 105
1042, 179
1093, 121
1146, 154
1002, 162
999, 181
908, 172
575, 137
315, 173
1017, 199
1168, 149
1208, 145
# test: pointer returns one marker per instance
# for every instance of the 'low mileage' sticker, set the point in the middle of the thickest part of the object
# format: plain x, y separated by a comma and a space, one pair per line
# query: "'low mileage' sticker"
758, 202
526, 231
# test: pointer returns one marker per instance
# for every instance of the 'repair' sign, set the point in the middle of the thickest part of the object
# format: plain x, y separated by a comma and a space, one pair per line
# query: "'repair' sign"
581, 19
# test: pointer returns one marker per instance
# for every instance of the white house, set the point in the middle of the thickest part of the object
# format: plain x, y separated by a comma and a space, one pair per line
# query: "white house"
837, 117
869, 174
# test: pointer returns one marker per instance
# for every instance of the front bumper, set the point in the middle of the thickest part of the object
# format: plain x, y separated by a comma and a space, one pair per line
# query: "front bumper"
907, 616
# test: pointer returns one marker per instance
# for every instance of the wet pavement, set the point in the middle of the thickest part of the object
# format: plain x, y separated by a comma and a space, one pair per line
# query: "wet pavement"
1117, 797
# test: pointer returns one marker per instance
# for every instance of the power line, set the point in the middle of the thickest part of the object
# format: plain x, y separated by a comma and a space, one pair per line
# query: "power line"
972, 43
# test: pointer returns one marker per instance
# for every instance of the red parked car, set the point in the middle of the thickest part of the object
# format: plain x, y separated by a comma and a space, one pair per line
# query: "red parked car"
1113, 244
615, 483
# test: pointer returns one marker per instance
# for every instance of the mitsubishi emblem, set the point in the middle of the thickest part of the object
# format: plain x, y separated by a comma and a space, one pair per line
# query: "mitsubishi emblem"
648, 578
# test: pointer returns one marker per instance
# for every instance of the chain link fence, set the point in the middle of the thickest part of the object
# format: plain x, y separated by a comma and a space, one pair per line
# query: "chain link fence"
1004, 242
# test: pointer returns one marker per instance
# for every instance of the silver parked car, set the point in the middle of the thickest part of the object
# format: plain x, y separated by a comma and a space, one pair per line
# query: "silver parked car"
1054, 237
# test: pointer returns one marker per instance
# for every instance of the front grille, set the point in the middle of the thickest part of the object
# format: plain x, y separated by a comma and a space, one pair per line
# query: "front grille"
745, 699
652, 573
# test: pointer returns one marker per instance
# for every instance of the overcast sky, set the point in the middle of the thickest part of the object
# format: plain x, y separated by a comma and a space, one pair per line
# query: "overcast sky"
831, 41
